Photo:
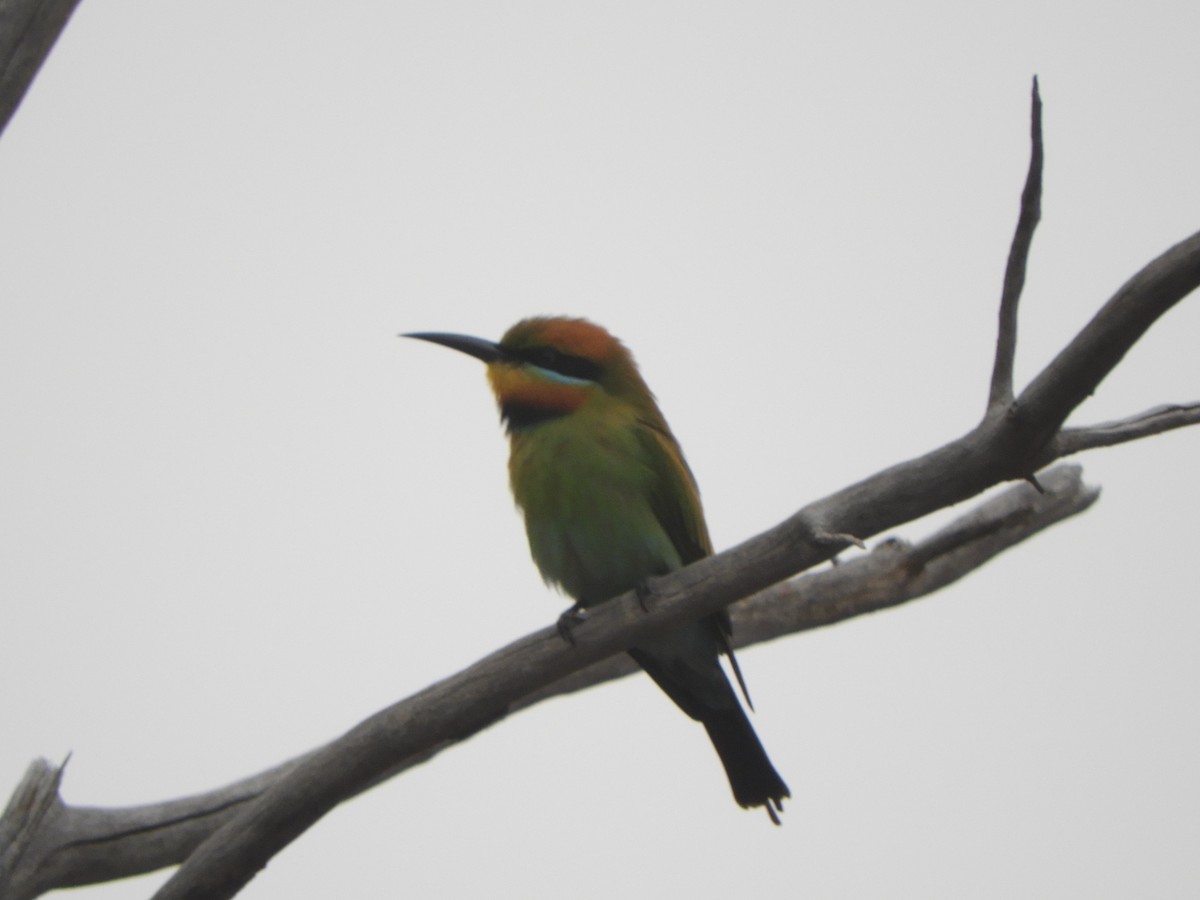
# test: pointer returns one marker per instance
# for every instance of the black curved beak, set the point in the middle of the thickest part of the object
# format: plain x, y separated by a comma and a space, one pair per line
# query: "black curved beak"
472, 346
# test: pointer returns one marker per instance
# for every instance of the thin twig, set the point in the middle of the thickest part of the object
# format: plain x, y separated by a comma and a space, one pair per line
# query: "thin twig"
1000, 395
1120, 431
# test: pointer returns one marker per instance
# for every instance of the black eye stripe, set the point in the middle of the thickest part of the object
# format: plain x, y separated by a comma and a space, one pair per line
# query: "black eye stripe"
562, 363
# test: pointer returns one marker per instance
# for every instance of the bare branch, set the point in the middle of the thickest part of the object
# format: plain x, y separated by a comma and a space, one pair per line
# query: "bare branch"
1109, 434
1000, 395
895, 572
30, 816
1085, 362
70, 846
45, 844
28, 31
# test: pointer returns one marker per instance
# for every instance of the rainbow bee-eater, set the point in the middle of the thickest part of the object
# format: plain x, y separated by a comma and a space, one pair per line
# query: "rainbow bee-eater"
609, 502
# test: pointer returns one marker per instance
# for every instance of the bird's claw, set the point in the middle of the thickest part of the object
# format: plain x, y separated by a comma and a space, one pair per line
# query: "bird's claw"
568, 620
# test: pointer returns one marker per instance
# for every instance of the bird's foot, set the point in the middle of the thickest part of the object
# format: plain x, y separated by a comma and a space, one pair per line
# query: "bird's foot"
568, 620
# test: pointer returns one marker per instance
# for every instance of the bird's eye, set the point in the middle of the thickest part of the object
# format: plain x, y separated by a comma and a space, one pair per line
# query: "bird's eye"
554, 360
547, 358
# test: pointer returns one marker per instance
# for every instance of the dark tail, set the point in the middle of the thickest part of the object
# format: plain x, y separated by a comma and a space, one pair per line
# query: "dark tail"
751, 775
684, 664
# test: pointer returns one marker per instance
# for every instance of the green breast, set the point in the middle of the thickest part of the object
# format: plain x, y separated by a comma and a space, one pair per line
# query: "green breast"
585, 485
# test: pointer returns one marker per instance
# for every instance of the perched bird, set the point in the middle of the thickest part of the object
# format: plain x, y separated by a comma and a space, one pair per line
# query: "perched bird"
609, 502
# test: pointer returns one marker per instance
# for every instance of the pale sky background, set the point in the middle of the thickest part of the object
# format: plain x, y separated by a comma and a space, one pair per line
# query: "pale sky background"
238, 515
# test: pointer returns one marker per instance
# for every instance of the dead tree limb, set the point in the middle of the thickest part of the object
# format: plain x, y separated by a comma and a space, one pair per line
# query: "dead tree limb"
28, 31
47, 844
1001, 392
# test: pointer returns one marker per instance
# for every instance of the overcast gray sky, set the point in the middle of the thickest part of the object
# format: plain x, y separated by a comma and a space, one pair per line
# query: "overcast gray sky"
238, 515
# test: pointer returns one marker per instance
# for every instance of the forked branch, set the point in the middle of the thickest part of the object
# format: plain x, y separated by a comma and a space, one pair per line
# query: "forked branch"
49, 844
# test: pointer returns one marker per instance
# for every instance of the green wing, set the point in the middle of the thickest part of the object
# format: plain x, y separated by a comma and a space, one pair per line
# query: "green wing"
676, 503
674, 496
